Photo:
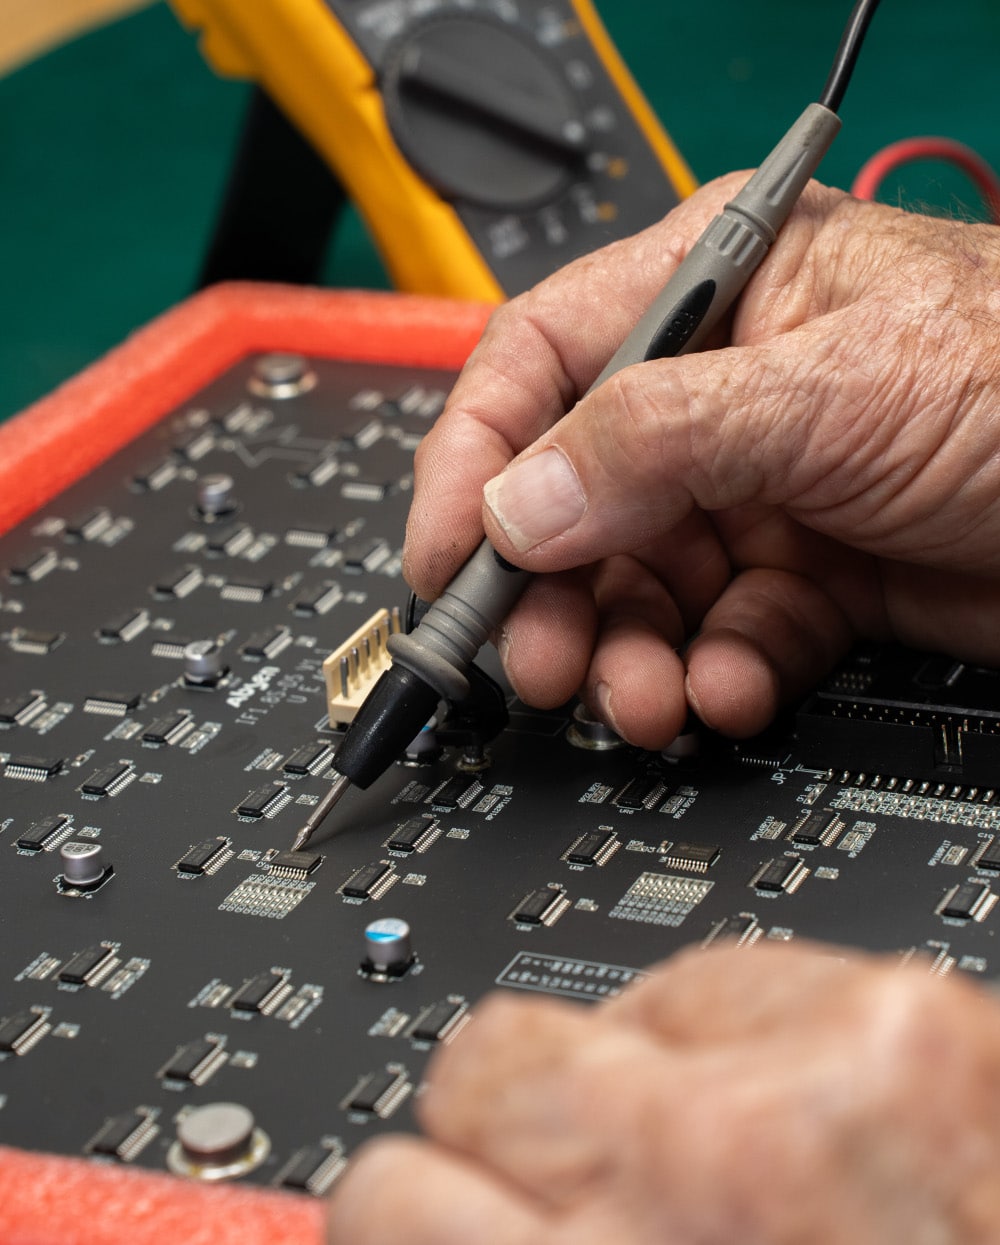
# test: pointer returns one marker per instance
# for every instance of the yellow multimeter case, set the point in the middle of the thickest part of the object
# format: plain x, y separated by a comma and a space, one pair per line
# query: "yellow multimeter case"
484, 142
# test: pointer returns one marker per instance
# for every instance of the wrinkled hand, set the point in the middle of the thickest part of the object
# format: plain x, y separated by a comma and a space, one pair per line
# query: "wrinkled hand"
830, 472
771, 1096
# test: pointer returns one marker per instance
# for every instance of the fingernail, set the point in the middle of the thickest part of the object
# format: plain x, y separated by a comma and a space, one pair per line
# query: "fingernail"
536, 499
602, 694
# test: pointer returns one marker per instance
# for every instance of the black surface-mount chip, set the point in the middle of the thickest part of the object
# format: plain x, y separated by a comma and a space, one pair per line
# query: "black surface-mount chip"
541, 907
438, 1022
16, 710
784, 873
969, 901
817, 829
20, 1032
108, 780
231, 539
33, 567
317, 599
85, 967
178, 584
125, 626
313, 1170
250, 591
379, 1094
168, 729
743, 928
595, 847
414, 835
266, 644
33, 769
988, 856
194, 1062
365, 555
264, 802
370, 881
695, 857
204, 857
43, 834
454, 793
88, 525
256, 994
112, 704
294, 864
124, 1136
642, 792
29, 640
308, 758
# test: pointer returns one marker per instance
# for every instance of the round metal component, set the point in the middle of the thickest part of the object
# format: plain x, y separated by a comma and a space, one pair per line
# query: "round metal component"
593, 736
484, 113
280, 375
202, 661
217, 1141
83, 863
215, 494
387, 945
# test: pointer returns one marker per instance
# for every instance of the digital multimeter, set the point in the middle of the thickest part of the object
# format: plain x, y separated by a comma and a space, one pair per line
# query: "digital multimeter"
484, 142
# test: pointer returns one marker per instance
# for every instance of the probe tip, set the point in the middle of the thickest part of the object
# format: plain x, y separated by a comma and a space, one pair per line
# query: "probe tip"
322, 810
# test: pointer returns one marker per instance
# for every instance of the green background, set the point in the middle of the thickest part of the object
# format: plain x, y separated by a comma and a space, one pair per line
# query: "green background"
115, 147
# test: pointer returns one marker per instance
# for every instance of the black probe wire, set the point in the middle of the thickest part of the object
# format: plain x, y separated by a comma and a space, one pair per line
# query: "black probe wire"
847, 54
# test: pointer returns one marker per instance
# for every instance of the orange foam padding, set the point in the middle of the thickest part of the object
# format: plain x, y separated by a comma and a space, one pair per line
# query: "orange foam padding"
45, 1200
63, 436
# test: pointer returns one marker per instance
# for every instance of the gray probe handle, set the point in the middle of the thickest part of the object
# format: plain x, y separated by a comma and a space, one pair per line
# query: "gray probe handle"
704, 287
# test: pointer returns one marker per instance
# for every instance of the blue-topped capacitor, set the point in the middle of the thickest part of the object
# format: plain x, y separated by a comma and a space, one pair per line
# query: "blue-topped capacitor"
388, 951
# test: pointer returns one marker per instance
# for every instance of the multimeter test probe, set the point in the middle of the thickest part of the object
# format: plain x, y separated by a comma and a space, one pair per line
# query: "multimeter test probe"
430, 662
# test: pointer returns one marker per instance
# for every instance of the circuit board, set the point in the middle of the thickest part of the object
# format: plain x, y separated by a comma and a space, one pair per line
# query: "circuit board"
164, 732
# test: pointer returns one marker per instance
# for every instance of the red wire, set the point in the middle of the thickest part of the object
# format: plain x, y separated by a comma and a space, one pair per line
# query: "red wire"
875, 170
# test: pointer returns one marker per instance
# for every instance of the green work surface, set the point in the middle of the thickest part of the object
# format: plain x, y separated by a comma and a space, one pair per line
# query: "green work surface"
115, 147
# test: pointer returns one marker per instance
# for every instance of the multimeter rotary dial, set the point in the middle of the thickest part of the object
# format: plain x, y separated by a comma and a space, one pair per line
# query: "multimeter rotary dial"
483, 112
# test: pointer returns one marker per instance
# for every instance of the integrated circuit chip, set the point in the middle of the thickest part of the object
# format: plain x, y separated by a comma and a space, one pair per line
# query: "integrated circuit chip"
697, 857
784, 873
379, 1094
195, 1062
543, 906
123, 1137
414, 835
205, 857
42, 835
370, 881
313, 1170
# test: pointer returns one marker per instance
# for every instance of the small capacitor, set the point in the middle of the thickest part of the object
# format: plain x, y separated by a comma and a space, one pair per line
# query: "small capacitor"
217, 1141
203, 663
281, 375
215, 495
388, 949
83, 864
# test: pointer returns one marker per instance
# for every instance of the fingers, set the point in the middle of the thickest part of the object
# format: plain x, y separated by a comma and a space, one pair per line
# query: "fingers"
767, 639
632, 460
730, 994
400, 1189
538, 354
526, 1090
546, 641
635, 682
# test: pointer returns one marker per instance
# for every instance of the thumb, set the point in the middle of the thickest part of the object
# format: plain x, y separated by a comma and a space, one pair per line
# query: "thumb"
632, 459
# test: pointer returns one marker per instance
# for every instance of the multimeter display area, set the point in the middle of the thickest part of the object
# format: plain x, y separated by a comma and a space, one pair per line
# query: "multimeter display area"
505, 108
181, 991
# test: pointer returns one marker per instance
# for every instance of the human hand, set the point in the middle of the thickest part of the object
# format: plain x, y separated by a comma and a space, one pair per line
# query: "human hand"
767, 1096
829, 472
